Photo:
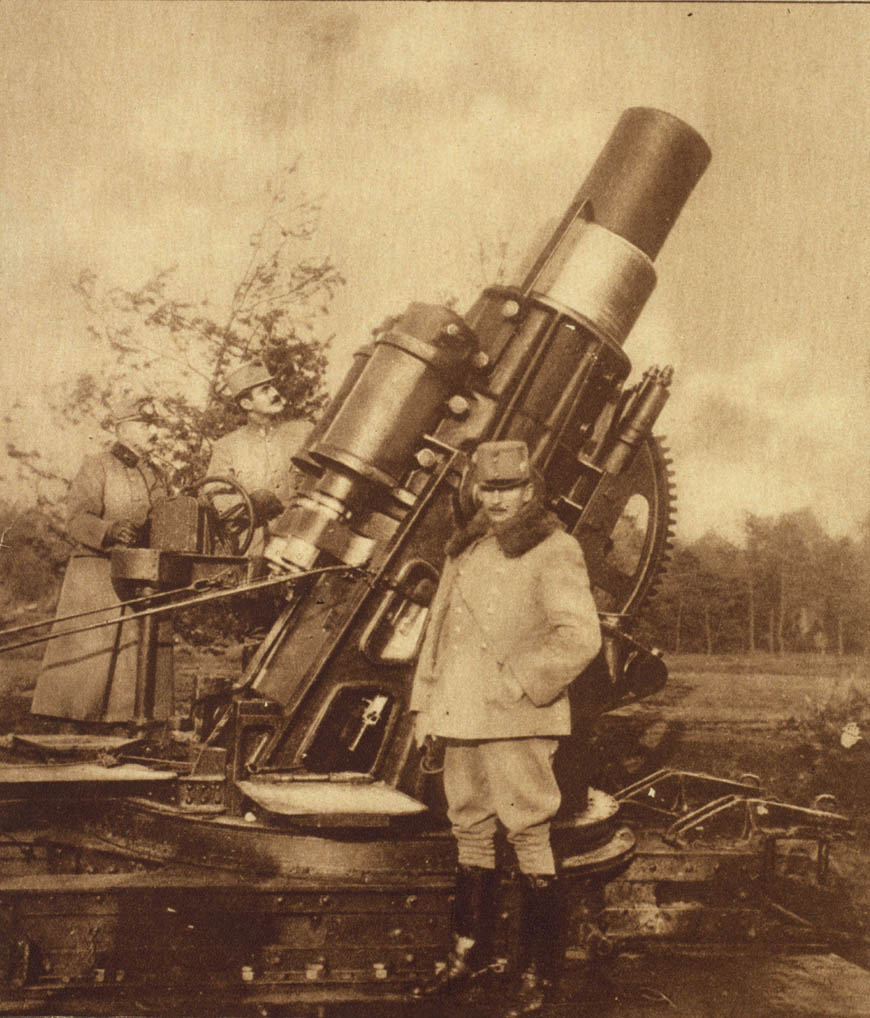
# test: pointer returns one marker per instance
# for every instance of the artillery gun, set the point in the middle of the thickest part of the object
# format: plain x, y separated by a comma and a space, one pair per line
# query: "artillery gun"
291, 848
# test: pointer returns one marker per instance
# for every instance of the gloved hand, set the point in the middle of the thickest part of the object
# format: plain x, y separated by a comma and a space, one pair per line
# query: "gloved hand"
266, 505
123, 532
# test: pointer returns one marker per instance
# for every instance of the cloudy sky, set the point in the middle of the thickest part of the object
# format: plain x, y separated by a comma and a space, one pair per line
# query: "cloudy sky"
139, 135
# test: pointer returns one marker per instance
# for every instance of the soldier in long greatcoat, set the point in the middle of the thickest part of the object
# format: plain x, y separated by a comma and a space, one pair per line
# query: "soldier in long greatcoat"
91, 676
512, 624
259, 454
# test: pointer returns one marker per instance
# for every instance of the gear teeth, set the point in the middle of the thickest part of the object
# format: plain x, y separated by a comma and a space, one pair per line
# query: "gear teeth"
662, 465
665, 452
652, 478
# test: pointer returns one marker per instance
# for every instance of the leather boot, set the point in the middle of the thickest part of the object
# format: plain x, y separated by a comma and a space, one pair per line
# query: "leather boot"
473, 927
540, 943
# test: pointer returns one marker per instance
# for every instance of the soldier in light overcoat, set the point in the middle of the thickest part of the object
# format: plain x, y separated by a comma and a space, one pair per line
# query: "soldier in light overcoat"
259, 454
512, 624
91, 676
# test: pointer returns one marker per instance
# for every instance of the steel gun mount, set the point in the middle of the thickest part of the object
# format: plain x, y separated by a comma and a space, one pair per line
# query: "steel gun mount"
294, 849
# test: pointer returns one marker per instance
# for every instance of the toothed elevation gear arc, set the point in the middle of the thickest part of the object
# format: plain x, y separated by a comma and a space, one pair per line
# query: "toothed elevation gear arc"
625, 554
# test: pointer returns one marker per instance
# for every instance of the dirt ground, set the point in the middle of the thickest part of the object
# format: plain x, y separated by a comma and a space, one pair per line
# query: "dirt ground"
781, 718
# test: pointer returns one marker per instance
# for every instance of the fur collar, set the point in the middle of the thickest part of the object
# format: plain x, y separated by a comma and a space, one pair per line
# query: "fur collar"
532, 524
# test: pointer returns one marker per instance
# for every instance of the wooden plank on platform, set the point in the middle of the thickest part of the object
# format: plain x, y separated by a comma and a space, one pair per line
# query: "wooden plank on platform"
19, 777
72, 744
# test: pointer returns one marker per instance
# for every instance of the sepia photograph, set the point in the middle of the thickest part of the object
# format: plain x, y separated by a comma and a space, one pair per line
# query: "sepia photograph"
435, 517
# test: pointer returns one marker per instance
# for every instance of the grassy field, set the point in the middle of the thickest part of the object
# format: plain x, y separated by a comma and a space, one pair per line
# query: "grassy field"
829, 665
780, 717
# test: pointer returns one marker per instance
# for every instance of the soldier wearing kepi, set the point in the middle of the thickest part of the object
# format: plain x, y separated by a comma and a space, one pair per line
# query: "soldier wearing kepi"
258, 455
513, 623
91, 676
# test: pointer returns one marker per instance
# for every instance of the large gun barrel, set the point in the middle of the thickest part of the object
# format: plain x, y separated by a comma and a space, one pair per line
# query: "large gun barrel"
634, 192
539, 362
644, 176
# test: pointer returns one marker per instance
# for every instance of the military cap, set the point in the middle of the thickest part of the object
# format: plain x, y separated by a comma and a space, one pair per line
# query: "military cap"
137, 408
502, 464
247, 377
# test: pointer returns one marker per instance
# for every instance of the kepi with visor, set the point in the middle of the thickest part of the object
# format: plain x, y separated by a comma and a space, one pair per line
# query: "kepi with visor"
247, 377
502, 464
138, 408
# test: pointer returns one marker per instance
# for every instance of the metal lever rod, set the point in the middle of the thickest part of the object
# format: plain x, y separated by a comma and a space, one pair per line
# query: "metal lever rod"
579, 208
104, 608
203, 599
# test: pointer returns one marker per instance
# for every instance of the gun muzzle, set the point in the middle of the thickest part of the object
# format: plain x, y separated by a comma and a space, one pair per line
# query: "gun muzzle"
599, 262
